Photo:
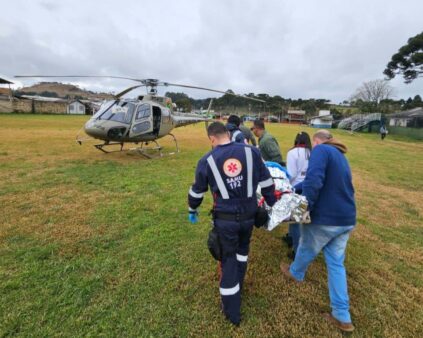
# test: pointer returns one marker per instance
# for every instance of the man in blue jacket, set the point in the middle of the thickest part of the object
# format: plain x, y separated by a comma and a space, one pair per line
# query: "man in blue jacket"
233, 127
233, 171
330, 195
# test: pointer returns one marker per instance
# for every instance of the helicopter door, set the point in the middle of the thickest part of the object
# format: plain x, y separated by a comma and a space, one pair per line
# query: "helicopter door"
143, 121
157, 118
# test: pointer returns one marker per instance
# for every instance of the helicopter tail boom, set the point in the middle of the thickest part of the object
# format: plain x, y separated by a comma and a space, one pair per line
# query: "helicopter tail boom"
186, 119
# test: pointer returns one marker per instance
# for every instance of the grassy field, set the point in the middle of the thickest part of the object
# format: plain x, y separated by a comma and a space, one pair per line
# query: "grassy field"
95, 244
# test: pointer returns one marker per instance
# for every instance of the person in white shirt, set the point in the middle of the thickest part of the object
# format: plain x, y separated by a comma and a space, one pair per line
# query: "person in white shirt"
297, 164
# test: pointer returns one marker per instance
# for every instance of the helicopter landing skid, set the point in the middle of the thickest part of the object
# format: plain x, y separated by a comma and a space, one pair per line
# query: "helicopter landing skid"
142, 150
101, 147
176, 142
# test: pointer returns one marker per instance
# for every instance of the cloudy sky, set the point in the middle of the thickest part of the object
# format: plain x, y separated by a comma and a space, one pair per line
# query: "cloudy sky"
307, 49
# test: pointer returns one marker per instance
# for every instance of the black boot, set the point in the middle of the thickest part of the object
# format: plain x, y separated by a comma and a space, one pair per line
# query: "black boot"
288, 240
291, 255
236, 323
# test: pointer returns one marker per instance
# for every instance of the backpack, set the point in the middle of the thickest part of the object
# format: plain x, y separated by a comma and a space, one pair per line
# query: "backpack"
235, 134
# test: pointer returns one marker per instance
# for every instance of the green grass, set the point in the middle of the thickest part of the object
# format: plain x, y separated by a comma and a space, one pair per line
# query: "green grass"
99, 245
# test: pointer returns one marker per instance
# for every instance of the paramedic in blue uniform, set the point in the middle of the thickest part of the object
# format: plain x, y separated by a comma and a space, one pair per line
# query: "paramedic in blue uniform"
233, 171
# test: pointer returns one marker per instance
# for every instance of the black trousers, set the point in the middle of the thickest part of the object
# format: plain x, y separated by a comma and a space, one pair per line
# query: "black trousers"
235, 240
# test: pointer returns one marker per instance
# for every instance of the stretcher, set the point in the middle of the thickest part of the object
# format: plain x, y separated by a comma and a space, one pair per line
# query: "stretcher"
291, 207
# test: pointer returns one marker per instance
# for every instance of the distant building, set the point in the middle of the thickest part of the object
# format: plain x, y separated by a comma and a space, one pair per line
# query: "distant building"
36, 106
76, 107
4, 81
323, 120
296, 116
412, 118
5, 91
324, 112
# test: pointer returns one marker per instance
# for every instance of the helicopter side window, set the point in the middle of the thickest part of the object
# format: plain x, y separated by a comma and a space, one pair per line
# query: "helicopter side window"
143, 111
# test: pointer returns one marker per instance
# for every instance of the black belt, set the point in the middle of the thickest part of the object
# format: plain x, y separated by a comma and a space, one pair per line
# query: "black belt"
232, 217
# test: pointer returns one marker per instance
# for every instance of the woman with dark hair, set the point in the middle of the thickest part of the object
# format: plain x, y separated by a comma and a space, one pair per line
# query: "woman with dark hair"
297, 158
297, 164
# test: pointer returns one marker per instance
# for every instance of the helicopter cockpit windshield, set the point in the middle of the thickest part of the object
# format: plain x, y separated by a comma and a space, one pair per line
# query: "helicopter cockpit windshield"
118, 111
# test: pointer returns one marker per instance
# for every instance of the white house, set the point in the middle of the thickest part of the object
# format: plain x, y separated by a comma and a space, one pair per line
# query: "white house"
323, 120
76, 107
408, 118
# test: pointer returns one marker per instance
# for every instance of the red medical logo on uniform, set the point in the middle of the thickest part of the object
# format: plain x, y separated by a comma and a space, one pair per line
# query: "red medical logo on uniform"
232, 167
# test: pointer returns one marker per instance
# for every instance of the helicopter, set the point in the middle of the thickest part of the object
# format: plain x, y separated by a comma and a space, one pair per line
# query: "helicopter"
139, 120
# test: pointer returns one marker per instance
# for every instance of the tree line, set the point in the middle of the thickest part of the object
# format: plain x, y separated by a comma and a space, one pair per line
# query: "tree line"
229, 103
368, 98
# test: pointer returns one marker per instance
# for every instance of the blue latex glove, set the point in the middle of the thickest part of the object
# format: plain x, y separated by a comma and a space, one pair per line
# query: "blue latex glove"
193, 217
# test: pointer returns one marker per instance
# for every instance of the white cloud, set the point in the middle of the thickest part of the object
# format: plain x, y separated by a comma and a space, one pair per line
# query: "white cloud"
321, 49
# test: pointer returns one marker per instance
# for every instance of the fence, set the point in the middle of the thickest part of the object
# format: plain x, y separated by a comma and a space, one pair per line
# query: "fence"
413, 133
31, 106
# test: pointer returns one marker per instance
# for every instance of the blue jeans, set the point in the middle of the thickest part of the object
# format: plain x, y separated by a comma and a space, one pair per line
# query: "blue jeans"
333, 241
294, 232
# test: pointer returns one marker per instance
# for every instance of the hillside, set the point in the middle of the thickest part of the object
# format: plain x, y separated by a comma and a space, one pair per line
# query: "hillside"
57, 89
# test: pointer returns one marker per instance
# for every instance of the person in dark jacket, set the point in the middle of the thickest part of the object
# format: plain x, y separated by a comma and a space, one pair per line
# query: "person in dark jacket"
248, 134
233, 171
233, 128
383, 132
269, 147
330, 194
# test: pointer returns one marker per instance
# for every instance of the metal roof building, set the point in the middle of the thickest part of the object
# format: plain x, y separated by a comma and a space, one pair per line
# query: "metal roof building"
410, 118
4, 81
5, 91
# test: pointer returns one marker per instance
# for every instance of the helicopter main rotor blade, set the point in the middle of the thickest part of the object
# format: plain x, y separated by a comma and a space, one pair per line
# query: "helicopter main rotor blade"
127, 90
80, 76
146, 82
212, 90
